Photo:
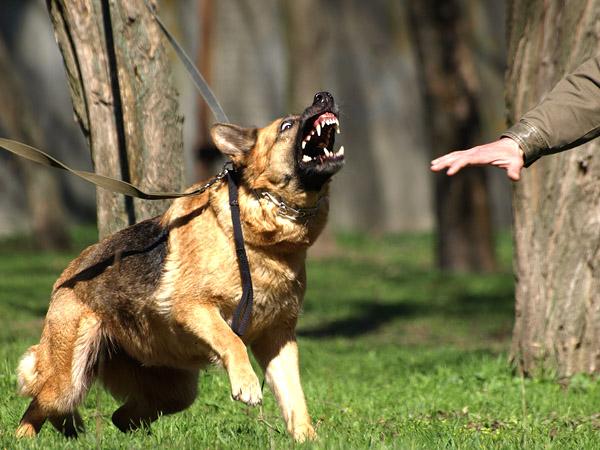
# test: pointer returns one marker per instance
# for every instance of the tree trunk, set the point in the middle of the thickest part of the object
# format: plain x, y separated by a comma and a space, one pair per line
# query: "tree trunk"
206, 152
305, 32
556, 216
451, 88
304, 36
124, 100
17, 119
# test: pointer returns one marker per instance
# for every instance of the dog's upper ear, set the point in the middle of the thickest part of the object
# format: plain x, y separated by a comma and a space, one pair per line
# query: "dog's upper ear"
233, 140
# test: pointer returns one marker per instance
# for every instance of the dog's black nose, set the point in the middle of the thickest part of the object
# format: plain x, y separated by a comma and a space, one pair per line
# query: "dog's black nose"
323, 97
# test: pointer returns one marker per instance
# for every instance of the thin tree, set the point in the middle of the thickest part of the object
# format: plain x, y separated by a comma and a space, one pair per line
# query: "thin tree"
206, 153
18, 121
304, 36
124, 99
451, 93
556, 203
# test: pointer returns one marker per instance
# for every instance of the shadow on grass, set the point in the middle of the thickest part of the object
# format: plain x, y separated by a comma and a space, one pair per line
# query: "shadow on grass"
371, 317
445, 298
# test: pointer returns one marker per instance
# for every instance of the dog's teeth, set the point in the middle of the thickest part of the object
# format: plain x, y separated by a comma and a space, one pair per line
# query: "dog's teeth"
306, 158
319, 129
337, 128
327, 154
306, 139
340, 152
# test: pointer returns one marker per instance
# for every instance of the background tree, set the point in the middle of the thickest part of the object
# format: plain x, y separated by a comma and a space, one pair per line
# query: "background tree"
305, 32
556, 204
18, 121
124, 100
205, 151
450, 86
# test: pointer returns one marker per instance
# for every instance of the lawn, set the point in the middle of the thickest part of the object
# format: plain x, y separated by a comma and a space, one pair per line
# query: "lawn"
394, 354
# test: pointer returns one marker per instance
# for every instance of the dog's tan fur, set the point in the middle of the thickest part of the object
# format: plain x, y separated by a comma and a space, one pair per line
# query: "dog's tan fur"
144, 309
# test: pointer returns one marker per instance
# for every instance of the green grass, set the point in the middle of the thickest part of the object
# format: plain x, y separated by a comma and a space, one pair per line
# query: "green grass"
394, 354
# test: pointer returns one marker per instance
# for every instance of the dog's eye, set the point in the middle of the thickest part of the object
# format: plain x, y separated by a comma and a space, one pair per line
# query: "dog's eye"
286, 125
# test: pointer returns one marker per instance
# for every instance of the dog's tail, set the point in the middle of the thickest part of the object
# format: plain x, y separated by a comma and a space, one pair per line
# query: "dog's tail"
36, 373
28, 380
85, 355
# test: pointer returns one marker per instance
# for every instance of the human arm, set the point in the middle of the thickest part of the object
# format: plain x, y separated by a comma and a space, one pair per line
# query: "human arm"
569, 116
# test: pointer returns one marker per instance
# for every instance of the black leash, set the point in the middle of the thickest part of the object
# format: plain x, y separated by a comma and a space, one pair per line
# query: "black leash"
244, 307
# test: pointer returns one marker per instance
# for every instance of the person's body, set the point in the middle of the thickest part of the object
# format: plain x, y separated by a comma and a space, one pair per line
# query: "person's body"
569, 116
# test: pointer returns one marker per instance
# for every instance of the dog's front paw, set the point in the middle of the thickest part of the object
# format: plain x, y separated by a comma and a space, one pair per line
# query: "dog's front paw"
25, 430
304, 433
246, 388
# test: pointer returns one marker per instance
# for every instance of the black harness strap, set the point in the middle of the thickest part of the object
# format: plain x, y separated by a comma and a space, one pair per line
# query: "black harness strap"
244, 307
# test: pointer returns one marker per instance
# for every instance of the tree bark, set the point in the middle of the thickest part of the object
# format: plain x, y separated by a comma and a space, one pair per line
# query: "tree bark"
124, 99
555, 205
451, 89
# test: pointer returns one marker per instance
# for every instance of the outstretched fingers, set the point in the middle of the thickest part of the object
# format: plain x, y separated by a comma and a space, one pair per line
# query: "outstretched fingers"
454, 162
504, 153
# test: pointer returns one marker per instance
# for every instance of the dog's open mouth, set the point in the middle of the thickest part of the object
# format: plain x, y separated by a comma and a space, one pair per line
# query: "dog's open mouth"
317, 145
317, 158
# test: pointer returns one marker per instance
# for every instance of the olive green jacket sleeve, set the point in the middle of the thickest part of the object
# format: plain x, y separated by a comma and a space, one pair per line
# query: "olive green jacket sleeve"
567, 117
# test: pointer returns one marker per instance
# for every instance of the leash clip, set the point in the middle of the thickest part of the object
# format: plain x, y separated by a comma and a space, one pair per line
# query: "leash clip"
228, 167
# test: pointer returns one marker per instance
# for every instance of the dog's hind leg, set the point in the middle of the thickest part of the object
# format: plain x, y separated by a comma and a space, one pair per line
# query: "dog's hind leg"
132, 416
160, 391
32, 421
148, 391
58, 371
68, 424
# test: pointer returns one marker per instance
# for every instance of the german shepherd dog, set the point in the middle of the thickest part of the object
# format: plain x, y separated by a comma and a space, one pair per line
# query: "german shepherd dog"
146, 308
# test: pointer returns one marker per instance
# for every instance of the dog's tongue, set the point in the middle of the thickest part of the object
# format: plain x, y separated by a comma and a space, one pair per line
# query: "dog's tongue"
322, 118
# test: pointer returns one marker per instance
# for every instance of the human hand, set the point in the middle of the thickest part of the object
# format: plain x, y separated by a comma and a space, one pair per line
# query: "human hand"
504, 153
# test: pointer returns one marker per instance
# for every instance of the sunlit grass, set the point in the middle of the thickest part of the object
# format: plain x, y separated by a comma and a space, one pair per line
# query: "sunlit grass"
394, 354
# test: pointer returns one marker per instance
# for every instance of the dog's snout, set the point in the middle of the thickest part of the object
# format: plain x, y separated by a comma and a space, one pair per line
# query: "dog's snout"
323, 97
